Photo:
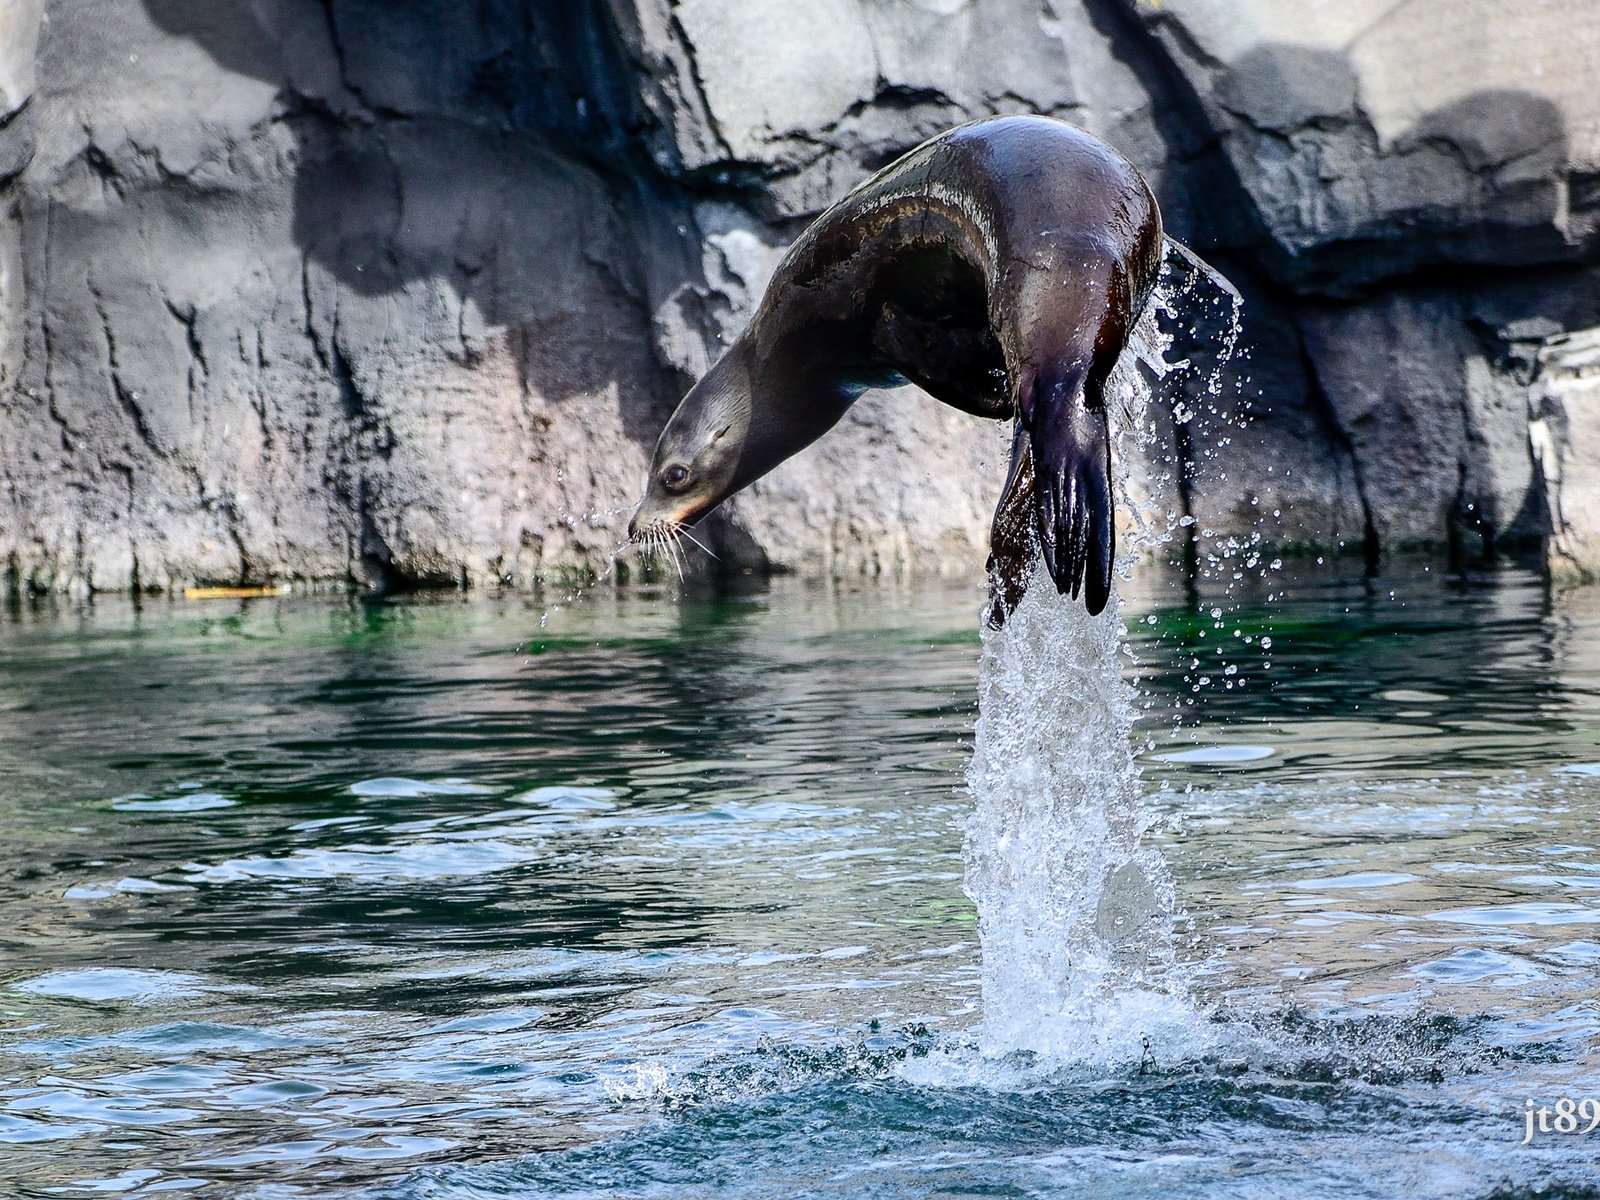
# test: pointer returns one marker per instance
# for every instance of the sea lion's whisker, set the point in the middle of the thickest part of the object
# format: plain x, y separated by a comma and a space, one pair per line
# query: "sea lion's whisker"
683, 531
669, 538
667, 549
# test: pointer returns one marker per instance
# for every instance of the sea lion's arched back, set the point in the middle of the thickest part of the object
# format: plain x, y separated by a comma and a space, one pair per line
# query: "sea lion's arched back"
1000, 266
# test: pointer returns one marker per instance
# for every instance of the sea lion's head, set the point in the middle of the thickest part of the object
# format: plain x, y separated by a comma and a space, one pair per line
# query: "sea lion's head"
701, 458
757, 407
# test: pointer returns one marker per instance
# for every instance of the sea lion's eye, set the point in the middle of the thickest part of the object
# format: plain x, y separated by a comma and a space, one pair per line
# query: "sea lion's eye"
675, 477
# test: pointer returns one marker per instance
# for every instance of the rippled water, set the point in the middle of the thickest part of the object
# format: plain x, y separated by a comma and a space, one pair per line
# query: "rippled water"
420, 900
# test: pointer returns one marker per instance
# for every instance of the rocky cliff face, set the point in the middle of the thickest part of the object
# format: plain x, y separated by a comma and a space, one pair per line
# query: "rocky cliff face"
19, 39
401, 291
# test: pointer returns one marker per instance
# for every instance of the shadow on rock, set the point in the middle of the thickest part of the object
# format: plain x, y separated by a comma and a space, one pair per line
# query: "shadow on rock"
1479, 181
435, 145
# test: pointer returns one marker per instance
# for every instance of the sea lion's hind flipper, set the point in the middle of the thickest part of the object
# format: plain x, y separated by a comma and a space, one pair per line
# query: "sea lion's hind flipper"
1012, 545
1071, 441
1188, 269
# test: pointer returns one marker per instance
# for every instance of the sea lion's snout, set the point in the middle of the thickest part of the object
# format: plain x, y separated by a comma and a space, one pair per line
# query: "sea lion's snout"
649, 520
673, 498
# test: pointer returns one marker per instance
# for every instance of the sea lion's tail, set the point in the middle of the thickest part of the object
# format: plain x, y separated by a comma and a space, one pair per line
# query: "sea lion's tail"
1187, 269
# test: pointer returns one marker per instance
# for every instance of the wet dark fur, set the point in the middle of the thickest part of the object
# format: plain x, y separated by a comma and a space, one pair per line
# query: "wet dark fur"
1000, 266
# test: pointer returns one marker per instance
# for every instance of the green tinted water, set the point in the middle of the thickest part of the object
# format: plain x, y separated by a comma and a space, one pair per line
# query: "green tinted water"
664, 899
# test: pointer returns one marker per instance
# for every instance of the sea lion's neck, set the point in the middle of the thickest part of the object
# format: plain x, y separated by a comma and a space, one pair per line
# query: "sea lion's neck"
820, 365
794, 397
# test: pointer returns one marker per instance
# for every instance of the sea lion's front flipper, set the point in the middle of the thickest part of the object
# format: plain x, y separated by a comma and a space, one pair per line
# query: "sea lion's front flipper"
1012, 546
1071, 442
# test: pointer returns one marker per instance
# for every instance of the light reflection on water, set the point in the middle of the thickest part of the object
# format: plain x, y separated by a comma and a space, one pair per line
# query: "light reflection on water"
666, 897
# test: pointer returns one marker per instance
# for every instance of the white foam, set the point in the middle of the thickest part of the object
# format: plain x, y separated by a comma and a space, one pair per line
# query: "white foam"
398, 788
113, 983
1074, 912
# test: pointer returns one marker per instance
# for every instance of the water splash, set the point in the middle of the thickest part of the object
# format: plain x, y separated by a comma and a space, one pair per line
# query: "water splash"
1075, 911
656, 559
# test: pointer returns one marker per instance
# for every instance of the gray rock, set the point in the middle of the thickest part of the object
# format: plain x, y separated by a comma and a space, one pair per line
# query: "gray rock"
1393, 371
1380, 138
19, 40
393, 293
19, 35
1566, 441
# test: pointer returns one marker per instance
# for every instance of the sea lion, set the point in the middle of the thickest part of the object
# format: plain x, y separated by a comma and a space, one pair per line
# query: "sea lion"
1000, 266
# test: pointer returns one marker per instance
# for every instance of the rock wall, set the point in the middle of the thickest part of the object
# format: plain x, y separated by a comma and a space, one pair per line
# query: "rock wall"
1566, 445
399, 291
19, 40
1419, 185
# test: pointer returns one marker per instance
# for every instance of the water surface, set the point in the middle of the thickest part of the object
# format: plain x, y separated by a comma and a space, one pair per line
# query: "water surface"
663, 898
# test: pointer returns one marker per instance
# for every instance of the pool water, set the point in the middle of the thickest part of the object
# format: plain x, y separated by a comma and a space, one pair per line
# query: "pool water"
662, 896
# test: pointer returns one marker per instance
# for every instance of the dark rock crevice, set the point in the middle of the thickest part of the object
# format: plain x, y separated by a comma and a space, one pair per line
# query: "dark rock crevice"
127, 398
1202, 197
1339, 437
